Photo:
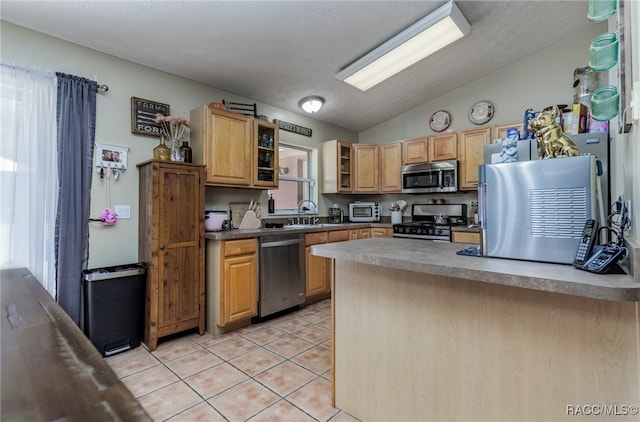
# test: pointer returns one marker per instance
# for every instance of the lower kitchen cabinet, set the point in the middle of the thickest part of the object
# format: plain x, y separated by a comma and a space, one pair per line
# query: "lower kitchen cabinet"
364, 233
381, 232
232, 283
339, 235
317, 268
465, 237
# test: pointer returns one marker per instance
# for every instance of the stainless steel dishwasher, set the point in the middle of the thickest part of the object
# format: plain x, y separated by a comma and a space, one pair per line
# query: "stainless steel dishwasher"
282, 282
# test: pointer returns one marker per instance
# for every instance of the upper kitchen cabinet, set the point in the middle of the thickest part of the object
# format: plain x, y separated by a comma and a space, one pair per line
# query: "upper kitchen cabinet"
365, 168
238, 151
390, 167
500, 131
470, 154
443, 147
337, 167
415, 151
265, 163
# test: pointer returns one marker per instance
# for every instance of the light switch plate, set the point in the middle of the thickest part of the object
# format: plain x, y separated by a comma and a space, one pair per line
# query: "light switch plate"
123, 211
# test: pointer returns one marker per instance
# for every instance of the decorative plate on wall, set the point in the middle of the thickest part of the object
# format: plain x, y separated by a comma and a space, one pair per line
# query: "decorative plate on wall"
439, 121
481, 112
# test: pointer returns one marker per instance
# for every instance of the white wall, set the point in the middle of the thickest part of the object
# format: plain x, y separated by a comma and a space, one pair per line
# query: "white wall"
118, 244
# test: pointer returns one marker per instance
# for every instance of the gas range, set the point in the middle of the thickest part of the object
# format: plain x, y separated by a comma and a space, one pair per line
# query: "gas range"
418, 230
432, 221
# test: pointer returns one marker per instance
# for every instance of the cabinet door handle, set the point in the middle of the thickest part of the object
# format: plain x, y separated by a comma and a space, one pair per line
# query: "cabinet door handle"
161, 247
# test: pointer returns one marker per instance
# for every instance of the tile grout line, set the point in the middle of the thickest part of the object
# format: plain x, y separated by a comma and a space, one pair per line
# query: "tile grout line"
244, 336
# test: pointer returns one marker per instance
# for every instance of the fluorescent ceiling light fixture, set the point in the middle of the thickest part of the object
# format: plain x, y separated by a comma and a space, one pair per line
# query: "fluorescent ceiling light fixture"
311, 104
431, 33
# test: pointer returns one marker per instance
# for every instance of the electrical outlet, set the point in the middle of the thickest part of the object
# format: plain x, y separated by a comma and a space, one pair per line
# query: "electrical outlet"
123, 211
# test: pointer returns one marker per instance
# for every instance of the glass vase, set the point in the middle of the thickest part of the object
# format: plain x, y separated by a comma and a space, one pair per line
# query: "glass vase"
162, 151
176, 153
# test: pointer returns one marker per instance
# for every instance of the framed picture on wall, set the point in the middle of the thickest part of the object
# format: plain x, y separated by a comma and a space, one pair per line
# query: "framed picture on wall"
143, 112
111, 155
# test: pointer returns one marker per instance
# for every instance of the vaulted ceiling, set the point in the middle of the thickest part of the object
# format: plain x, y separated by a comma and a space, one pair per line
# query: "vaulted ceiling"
277, 52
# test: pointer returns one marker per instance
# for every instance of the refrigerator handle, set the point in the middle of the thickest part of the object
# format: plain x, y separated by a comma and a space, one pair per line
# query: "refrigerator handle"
482, 212
482, 204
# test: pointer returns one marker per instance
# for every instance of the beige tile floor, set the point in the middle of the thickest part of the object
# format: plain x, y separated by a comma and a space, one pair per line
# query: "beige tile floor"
279, 370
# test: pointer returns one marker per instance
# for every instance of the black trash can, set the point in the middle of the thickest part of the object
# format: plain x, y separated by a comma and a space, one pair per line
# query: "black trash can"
113, 307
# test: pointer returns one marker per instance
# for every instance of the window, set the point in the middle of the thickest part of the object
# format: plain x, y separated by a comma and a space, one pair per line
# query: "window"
296, 181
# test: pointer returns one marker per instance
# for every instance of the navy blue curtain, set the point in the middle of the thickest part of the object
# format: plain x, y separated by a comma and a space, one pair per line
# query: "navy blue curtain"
76, 118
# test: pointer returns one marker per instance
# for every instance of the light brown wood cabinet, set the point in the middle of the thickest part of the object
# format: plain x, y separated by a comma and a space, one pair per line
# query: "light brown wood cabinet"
365, 168
443, 146
317, 269
232, 283
238, 294
171, 243
471, 155
415, 151
364, 233
339, 236
381, 232
234, 149
266, 141
465, 237
390, 167
337, 167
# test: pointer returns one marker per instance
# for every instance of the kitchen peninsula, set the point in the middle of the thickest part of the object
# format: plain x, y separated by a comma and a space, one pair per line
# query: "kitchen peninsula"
421, 333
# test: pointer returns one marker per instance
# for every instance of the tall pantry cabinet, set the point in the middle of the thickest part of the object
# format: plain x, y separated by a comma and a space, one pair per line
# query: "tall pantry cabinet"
171, 243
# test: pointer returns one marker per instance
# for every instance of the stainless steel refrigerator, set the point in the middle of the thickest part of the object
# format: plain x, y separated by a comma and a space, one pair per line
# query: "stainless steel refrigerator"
596, 144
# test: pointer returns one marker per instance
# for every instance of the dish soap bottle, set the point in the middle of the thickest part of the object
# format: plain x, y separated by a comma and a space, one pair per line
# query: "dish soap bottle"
272, 204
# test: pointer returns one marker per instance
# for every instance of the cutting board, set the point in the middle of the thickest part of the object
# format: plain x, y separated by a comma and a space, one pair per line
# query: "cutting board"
237, 211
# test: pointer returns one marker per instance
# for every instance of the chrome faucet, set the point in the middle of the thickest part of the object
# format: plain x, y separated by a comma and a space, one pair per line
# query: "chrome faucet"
310, 202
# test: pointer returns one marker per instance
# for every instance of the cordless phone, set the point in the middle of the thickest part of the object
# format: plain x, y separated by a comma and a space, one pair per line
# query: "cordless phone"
589, 234
595, 258
603, 259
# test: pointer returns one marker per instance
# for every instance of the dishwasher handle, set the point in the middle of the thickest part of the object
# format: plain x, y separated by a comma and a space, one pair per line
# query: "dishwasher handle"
281, 243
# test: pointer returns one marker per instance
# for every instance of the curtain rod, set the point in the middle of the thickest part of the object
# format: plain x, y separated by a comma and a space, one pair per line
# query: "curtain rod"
102, 88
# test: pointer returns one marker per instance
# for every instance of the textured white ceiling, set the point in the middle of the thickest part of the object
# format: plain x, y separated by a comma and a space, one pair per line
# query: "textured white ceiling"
277, 52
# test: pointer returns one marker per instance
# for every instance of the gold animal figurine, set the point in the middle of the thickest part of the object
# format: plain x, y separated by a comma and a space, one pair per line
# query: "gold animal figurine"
552, 141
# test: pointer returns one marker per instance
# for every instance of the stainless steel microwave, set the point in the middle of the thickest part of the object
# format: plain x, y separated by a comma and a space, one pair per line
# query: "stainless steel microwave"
364, 212
436, 177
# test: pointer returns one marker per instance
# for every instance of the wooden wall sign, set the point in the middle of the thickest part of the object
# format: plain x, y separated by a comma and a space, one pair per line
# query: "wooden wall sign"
290, 127
142, 114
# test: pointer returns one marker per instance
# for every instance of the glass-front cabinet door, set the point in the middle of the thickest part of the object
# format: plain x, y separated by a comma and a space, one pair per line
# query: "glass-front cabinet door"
265, 138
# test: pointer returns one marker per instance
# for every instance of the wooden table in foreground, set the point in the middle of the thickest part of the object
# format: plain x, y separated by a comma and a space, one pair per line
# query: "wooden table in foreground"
50, 370
423, 334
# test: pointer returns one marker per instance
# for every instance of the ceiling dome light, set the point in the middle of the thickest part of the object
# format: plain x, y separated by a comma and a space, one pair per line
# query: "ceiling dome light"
311, 104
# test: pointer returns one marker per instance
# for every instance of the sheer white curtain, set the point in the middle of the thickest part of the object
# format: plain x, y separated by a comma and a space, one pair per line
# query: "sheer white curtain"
28, 171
